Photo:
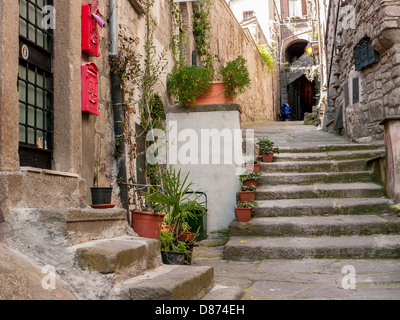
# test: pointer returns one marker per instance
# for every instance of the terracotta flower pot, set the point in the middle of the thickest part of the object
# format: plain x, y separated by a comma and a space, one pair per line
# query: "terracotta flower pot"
247, 196
216, 95
243, 214
255, 167
147, 224
268, 157
187, 236
249, 183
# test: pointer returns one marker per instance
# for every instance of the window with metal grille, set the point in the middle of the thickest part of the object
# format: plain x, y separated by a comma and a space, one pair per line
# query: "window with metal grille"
35, 86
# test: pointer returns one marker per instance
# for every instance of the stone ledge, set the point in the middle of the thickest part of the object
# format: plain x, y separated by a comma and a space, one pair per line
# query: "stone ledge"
389, 118
89, 214
206, 108
49, 172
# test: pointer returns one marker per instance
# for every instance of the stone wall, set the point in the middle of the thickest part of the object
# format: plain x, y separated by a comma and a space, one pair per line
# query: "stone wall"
228, 41
379, 91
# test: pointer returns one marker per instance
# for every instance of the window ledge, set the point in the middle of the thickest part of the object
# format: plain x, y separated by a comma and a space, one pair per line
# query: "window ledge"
50, 172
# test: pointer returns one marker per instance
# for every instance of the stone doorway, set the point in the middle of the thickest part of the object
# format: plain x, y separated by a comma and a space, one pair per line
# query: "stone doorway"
301, 97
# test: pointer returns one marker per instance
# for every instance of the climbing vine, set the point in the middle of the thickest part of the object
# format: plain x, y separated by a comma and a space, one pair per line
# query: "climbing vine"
202, 32
267, 57
138, 80
178, 44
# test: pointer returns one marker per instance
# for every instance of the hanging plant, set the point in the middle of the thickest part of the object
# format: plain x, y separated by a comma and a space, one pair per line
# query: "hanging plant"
267, 57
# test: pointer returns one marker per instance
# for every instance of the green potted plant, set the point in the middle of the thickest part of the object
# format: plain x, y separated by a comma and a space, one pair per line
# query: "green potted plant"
244, 211
172, 252
247, 193
147, 221
101, 196
174, 198
187, 83
267, 149
235, 76
250, 178
254, 165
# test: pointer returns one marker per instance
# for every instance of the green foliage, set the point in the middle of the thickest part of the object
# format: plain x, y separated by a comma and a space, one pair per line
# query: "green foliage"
248, 188
202, 32
153, 116
236, 77
186, 83
267, 57
168, 243
396, 206
247, 205
178, 46
267, 146
175, 200
250, 176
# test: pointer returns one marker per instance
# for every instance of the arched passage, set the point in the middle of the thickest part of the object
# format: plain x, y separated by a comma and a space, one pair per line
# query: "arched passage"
295, 50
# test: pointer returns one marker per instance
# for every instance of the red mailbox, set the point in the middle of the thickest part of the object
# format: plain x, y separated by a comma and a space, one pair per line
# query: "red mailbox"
90, 88
90, 38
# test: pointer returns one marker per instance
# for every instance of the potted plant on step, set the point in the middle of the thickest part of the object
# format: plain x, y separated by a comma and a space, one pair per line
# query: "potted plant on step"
244, 211
267, 149
172, 252
147, 222
179, 202
254, 166
247, 193
250, 178
101, 196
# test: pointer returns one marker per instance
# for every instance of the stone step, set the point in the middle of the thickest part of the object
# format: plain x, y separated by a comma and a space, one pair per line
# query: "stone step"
169, 282
333, 190
220, 292
308, 207
311, 177
331, 148
345, 247
315, 166
326, 156
336, 225
83, 225
124, 257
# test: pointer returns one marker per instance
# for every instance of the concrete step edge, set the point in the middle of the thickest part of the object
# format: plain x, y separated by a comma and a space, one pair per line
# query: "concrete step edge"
331, 225
350, 247
169, 282
318, 206
123, 257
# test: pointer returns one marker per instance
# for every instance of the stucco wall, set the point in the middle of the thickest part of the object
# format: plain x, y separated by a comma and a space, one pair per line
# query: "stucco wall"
217, 178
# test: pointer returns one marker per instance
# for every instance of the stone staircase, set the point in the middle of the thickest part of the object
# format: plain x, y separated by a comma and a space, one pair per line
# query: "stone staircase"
318, 202
99, 257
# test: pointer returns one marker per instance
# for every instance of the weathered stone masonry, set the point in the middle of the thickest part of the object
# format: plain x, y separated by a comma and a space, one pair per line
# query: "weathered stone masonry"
364, 105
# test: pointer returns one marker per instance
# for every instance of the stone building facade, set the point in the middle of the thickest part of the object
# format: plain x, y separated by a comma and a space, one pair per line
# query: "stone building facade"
62, 144
363, 43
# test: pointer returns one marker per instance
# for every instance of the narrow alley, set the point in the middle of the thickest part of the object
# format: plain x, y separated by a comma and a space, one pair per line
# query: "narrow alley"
301, 244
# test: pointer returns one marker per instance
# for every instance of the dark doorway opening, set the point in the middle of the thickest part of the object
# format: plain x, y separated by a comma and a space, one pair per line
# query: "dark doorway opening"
301, 97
